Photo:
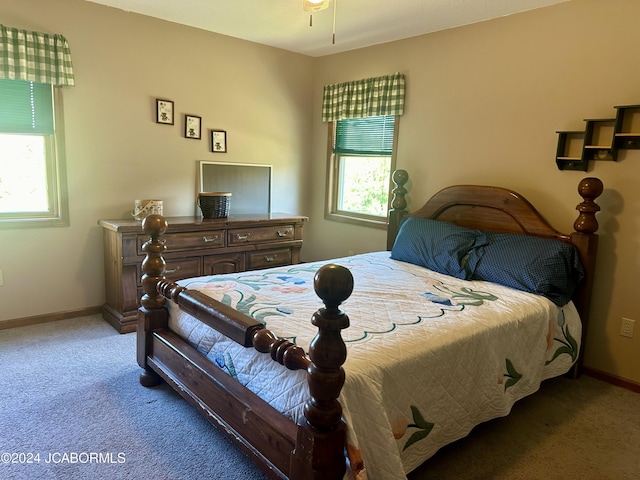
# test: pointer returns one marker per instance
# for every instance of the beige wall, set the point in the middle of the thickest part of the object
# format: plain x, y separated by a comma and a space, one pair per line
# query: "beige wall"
116, 153
483, 105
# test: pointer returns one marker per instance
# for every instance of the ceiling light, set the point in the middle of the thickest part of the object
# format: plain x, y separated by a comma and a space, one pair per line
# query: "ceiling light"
314, 5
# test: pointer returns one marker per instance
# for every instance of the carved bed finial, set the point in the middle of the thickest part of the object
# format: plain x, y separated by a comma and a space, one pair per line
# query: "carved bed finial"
398, 205
153, 266
589, 189
323, 412
333, 284
400, 178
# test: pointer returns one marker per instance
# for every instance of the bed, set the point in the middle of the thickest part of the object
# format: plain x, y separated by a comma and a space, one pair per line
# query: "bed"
400, 352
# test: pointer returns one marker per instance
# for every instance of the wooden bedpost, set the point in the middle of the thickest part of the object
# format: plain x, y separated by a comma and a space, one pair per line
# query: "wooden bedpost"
152, 314
586, 241
320, 451
589, 189
398, 206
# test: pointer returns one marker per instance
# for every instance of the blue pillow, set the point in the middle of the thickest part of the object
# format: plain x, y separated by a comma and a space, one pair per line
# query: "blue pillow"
439, 246
543, 266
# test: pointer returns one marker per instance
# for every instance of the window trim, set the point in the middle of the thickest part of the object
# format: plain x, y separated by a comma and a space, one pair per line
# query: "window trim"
58, 214
331, 212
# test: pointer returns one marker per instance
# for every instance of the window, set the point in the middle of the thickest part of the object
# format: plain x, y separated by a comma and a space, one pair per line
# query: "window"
360, 168
32, 175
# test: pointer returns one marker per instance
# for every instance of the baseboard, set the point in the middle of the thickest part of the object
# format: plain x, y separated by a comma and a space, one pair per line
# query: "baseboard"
612, 379
49, 317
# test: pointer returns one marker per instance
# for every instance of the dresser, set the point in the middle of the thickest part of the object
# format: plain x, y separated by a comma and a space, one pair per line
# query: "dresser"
195, 246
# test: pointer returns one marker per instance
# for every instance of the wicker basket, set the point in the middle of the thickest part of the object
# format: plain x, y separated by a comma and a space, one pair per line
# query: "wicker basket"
214, 204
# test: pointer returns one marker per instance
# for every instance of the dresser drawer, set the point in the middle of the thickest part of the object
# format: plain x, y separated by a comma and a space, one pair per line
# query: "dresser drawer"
177, 242
241, 236
179, 268
268, 258
223, 263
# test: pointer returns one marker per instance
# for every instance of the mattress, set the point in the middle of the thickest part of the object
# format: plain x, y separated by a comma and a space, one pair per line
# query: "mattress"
428, 356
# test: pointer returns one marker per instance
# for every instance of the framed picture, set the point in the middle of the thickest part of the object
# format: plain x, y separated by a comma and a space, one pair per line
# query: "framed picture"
164, 111
192, 126
219, 141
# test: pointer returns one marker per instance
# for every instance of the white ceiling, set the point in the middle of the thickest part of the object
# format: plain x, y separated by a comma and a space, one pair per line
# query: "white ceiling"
359, 23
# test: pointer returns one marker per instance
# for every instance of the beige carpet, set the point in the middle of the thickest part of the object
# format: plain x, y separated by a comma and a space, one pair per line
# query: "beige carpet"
570, 429
72, 386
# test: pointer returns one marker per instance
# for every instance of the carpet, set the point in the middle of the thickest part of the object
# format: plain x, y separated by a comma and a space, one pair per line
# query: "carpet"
71, 397
72, 408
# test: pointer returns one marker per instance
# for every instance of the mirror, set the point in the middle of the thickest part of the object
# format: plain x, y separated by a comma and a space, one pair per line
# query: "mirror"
249, 184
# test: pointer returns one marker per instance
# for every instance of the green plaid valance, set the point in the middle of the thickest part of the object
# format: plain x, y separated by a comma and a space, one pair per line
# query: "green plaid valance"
35, 57
364, 98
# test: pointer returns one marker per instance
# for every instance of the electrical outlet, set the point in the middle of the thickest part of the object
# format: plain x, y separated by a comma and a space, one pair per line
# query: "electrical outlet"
626, 329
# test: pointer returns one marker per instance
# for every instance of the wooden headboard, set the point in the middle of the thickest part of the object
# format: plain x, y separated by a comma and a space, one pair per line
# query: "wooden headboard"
502, 210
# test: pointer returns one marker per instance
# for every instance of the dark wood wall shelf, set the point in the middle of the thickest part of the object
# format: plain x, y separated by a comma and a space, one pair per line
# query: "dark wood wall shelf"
600, 140
627, 129
570, 148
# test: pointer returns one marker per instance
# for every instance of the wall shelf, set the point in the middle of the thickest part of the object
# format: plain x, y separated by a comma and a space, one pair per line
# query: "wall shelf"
569, 152
627, 128
600, 140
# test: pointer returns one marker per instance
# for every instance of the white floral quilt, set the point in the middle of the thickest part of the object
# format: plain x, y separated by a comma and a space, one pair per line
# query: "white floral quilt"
428, 356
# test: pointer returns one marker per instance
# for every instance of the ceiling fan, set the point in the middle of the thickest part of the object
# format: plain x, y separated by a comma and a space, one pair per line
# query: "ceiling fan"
317, 5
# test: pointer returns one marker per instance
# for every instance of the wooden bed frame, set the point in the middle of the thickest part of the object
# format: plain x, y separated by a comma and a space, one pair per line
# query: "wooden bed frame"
315, 448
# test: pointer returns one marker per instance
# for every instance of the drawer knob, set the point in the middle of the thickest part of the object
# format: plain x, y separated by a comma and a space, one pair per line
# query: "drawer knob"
284, 234
243, 237
173, 270
212, 239
272, 258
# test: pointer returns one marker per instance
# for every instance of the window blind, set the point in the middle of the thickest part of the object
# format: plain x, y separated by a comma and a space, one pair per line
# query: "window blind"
26, 107
365, 136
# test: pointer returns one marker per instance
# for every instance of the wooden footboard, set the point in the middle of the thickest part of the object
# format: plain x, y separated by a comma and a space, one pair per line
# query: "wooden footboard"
312, 449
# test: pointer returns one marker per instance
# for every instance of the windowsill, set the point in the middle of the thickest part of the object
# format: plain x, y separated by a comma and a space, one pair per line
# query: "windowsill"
336, 217
14, 223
